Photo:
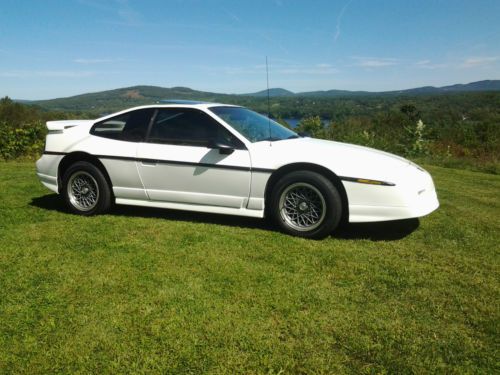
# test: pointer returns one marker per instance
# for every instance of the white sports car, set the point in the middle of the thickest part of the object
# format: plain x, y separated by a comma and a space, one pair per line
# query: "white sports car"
229, 160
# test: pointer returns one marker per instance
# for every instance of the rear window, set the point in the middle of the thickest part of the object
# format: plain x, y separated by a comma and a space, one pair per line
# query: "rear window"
131, 126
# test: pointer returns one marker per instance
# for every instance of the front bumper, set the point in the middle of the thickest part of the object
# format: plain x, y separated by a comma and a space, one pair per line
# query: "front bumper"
413, 195
422, 206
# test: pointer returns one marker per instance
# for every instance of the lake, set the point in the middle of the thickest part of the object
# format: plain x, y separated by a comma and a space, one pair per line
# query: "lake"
293, 122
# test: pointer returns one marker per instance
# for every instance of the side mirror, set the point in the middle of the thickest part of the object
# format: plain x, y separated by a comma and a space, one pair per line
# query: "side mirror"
304, 134
223, 147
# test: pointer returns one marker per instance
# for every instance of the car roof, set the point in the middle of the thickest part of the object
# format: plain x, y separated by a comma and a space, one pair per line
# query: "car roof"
182, 101
183, 104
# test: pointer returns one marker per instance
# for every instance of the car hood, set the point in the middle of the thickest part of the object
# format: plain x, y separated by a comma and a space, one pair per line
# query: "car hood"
343, 159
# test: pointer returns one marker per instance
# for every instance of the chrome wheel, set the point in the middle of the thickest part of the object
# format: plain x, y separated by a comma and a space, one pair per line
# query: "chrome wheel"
302, 206
83, 191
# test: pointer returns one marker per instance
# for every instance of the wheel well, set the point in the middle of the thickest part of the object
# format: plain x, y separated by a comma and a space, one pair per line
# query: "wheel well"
335, 180
74, 157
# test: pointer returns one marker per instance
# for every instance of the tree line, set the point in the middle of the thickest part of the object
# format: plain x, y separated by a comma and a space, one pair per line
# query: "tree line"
459, 129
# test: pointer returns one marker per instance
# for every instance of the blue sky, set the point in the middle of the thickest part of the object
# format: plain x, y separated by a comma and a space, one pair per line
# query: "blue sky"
59, 48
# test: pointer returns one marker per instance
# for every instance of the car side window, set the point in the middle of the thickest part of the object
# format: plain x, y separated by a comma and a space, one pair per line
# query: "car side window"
190, 127
131, 126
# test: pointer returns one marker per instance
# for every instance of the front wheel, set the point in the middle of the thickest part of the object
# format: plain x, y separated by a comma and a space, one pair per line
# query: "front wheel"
85, 189
306, 204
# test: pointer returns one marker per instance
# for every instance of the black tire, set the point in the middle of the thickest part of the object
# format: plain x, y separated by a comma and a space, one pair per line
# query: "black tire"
295, 200
85, 189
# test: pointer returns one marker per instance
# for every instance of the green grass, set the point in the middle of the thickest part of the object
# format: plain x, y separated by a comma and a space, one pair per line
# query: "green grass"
490, 164
144, 290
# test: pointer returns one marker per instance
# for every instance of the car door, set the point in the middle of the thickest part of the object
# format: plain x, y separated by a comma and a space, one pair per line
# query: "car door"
190, 158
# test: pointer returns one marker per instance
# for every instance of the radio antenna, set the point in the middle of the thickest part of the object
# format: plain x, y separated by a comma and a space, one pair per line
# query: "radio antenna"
268, 101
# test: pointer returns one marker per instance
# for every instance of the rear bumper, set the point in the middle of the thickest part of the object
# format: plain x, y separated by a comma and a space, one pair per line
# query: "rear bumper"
46, 170
49, 182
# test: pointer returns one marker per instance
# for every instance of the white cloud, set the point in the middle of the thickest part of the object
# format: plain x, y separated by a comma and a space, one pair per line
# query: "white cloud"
275, 69
92, 61
99, 5
375, 62
308, 71
46, 73
474, 62
272, 41
471, 62
339, 21
428, 64
121, 11
129, 16
231, 15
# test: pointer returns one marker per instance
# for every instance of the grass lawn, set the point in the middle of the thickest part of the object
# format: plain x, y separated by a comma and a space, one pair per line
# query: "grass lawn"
146, 290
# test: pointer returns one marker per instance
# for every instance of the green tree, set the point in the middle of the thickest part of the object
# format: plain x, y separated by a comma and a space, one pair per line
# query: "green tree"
312, 125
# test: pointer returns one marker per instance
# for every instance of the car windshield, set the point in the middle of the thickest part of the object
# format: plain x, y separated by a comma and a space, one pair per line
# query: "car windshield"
252, 125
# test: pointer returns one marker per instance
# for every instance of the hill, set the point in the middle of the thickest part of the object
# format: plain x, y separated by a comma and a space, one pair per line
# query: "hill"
487, 85
272, 93
112, 100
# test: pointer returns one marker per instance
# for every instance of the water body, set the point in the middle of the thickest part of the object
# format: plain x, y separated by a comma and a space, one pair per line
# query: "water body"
294, 122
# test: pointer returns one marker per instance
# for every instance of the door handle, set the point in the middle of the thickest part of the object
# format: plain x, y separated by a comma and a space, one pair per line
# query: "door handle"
150, 163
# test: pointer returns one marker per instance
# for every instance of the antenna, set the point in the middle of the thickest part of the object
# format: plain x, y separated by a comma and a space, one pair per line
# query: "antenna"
268, 102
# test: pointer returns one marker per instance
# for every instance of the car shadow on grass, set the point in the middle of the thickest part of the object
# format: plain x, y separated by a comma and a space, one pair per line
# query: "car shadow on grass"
378, 231
54, 202
381, 231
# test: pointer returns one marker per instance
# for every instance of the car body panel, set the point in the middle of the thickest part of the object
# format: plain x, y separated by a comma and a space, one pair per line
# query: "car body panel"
119, 159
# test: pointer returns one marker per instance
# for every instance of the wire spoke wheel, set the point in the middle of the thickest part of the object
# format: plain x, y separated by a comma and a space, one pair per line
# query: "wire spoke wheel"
83, 191
302, 206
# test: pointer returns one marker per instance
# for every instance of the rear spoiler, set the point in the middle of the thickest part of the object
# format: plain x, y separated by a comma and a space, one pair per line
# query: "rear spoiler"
59, 126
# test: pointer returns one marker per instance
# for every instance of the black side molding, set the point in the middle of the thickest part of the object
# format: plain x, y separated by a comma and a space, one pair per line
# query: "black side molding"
172, 162
358, 180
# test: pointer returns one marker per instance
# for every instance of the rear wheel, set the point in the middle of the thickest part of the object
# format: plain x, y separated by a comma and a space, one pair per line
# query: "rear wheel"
306, 204
85, 189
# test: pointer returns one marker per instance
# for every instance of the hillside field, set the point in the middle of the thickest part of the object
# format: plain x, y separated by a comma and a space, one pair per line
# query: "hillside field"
159, 291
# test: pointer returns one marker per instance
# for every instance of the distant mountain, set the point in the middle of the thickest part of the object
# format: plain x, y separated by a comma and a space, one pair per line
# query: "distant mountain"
112, 100
272, 93
418, 90
279, 92
335, 93
488, 85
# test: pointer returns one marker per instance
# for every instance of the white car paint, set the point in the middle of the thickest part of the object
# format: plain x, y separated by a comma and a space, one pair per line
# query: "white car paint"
202, 179
195, 184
